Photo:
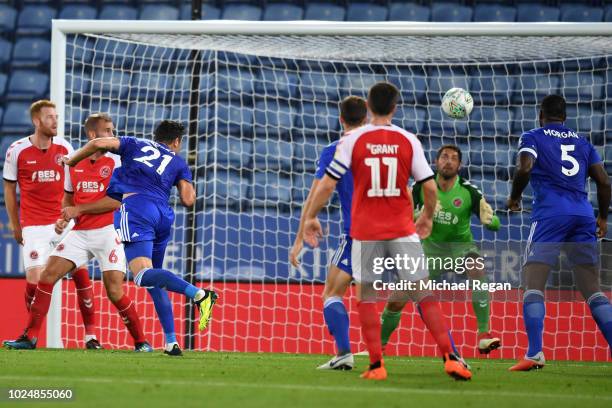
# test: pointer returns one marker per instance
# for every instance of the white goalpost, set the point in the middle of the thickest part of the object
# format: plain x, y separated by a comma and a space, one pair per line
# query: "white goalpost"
261, 101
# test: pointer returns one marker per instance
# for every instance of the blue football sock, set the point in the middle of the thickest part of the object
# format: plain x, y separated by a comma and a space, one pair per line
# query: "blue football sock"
163, 278
337, 321
163, 307
601, 309
533, 315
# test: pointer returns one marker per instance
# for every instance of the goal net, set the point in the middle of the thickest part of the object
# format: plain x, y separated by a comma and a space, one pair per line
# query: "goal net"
262, 100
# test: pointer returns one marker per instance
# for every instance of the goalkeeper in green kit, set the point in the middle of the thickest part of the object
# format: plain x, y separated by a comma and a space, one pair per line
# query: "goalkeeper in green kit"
451, 238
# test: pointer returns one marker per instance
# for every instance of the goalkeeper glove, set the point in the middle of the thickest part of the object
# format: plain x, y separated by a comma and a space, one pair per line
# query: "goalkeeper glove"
487, 218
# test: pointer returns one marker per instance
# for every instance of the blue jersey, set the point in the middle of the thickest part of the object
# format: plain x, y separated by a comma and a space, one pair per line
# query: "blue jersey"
148, 168
560, 172
344, 186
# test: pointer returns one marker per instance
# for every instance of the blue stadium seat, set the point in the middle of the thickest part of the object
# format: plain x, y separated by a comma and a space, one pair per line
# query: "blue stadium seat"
209, 12
16, 118
277, 83
3, 82
324, 11
580, 13
118, 12
531, 88
31, 52
608, 15
301, 186
366, 12
78, 11
235, 121
5, 143
110, 83
451, 12
488, 121
35, 20
271, 190
238, 82
582, 87
5, 51
586, 121
118, 111
441, 80
501, 193
272, 154
532, 13
241, 12
151, 86
321, 86
144, 116
440, 124
492, 88
408, 12
230, 152
27, 86
306, 153
358, 83
225, 188
494, 12
158, 12
273, 119
283, 12
525, 118
412, 83
8, 16
318, 118
411, 118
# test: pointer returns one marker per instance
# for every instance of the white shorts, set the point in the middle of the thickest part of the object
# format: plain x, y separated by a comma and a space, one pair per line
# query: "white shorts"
364, 252
103, 244
38, 242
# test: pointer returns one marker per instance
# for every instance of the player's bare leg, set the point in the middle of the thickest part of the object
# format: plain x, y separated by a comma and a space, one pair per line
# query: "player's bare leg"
587, 280
113, 283
480, 305
535, 277
336, 284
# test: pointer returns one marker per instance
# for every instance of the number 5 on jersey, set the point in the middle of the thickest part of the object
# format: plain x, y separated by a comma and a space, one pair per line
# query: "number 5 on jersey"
374, 164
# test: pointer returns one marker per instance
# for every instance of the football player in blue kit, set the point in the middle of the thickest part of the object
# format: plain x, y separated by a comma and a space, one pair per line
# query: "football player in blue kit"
149, 170
353, 114
557, 161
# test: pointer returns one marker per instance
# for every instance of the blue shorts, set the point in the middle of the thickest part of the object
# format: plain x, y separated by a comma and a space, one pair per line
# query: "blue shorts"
144, 221
342, 256
576, 235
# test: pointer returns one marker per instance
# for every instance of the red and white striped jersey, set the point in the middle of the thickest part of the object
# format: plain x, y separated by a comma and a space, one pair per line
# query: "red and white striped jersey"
40, 176
382, 159
88, 181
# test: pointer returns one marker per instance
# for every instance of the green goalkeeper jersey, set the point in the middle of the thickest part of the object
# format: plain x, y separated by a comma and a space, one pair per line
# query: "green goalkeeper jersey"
452, 222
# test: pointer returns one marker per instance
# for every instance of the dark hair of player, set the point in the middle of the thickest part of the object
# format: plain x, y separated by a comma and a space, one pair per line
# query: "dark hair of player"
553, 108
353, 110
37, 106
382, 98
167, 131
449, 147
92, 120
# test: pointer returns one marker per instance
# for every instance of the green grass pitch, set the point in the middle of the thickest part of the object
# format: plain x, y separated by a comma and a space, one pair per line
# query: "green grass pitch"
121, 378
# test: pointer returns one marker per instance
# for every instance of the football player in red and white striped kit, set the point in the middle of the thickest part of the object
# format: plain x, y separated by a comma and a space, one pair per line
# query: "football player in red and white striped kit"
93, 236
382, 157
35, 164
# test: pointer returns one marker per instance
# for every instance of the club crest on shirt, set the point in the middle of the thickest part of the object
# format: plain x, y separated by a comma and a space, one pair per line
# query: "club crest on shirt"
58, 159
457, 202
105, 171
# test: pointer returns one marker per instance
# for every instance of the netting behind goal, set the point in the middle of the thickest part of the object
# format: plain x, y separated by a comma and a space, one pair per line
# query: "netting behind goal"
267, 105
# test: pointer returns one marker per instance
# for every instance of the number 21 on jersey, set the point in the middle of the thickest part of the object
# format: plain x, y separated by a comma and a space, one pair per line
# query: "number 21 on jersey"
154, 154
376, 190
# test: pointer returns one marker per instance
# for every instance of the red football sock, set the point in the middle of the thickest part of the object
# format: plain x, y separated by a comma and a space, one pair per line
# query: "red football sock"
39, 308
434, 320
127, 311
30, 290
370, 329
86, 299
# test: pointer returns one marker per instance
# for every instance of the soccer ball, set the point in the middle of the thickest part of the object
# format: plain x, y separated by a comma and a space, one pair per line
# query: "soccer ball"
457, 103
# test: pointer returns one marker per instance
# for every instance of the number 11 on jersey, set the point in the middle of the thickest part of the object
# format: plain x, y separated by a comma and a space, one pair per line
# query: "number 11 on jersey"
374, 164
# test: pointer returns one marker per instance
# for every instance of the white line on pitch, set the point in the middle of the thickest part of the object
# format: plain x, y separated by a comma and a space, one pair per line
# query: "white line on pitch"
301, 387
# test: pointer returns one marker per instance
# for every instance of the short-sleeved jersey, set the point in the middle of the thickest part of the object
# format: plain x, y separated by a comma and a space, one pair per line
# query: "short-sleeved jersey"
558, 178
452, 223
88, 181
40, 175
344, 188
147, 168
382, 159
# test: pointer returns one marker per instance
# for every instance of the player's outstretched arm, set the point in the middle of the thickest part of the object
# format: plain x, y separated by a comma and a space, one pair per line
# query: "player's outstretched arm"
100, 206
186, 193
520, 180
105, 144
430, 197
599, 175
298, 244
320, 197
10, 200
